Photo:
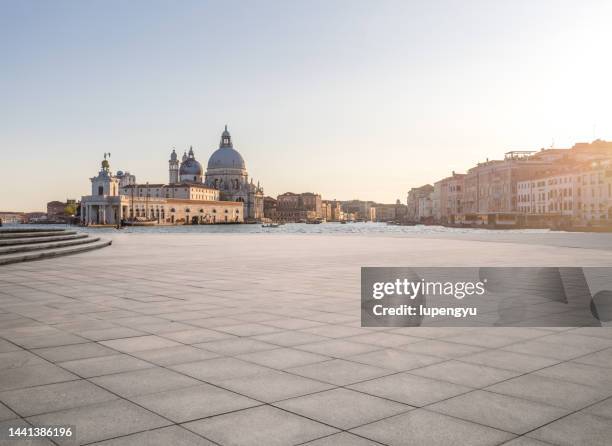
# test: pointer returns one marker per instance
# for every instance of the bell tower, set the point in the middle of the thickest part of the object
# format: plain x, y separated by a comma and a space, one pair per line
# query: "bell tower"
173, 168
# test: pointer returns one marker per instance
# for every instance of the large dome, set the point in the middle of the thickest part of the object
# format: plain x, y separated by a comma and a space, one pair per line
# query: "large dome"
226, 157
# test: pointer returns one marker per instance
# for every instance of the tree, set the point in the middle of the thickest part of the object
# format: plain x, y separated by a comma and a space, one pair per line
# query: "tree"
70, 210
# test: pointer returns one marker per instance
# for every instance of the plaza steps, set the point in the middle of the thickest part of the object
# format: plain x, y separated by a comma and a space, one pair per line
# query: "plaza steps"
22, 245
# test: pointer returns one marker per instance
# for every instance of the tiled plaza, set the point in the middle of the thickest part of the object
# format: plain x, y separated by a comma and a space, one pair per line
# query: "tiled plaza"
255, 339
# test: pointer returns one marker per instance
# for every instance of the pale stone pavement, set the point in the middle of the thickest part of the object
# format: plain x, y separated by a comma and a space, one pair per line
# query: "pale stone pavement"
177, 339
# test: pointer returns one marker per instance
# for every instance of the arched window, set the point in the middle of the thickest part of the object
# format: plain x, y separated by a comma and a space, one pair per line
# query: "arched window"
100, 190
226, 211
172, 210
214, 211
201, 211
187, 210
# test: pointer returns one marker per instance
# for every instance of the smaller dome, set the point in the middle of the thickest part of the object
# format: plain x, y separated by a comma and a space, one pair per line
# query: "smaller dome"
190, 167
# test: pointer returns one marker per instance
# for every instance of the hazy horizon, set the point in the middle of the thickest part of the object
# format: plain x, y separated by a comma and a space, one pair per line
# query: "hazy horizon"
349, 99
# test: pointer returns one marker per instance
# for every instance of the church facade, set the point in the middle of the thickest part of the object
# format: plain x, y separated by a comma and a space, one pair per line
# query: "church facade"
222, 194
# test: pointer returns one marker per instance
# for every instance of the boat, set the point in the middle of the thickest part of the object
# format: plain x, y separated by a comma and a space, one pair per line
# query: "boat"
270, 225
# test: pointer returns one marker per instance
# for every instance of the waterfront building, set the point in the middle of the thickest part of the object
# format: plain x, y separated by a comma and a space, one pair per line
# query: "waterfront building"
8, 217
490, 188
420, 203
298, 207
447, 198
361, 210
270, 208
333, 210
390, 212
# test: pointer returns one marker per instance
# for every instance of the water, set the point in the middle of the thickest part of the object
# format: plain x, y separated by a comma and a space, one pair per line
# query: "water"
295, 228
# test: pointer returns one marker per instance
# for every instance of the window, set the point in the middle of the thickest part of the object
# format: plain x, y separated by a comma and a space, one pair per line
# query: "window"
100, 190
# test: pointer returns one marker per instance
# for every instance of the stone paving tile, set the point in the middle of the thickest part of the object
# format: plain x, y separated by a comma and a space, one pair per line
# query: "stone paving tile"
290, 338
52, 397
130, 345
218, 369
102, 421
576, 429
282, 358
175, 355
166, 436
273, 386
441, 349
6, 413
397, 360
600, 359
105, 365
247, 329
580, 374
292, 323
419, 427
53, 340
471, 375
196, 335
410, 389
335, 331
343, 408
105, 334
71, 352
384, 339
142, 382
488, 341
6, 346
340, 372
192, 403
342, 439
236, 346
264, 425
525, 441
550, 391
509, 360
19, 358
602, 409
337, 348
548, 350
502, 412
33, 375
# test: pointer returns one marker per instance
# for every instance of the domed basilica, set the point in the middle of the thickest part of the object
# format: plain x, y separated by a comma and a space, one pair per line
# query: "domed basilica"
225, 172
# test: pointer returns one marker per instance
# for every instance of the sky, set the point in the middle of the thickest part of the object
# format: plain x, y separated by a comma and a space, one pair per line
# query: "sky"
349, 99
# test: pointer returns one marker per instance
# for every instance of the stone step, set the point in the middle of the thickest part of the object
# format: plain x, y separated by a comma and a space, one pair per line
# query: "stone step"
50, 253
12, 230
45, 245
16, 234
34, 240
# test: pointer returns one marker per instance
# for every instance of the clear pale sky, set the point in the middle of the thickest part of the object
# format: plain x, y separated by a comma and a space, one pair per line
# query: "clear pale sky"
351, 99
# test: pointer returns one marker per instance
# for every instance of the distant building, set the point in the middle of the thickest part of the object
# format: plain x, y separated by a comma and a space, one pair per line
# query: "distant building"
8, 217
447, 203
56, 210
420, 203
126, 178
270, 208
390, 212
298, 207
189, 203
362, 210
